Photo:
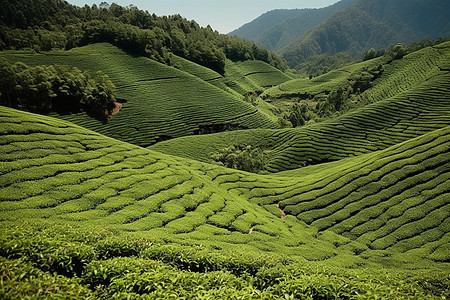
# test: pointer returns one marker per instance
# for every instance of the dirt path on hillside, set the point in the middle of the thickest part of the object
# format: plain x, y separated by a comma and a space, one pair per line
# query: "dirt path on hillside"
116, 109
283, 214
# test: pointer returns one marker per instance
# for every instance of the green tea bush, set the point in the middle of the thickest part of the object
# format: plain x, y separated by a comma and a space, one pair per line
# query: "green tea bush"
48, 254
314, 287
161, 283
120, 247
198, 259
103, 272
20, 280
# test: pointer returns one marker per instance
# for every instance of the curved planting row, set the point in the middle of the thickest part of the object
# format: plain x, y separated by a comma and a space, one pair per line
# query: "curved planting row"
83, 215
161, 102
391, 199
252, 76
52, 170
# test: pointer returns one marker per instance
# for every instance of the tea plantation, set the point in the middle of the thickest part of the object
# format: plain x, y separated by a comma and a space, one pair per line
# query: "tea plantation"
161, 102
354, 207
411, 98
116, 220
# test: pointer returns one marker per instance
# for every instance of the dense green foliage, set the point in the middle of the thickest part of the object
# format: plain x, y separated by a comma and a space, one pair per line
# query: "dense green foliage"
47, 24
161, 102
371, 24
409, 98
168, 271
241, 157
277, 28
112, 220
44, 89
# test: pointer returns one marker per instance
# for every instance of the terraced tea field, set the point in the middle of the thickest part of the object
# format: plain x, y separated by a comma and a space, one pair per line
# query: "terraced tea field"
355, 207
324, 83
98, 201
57, 171
417, 67
161, 102
399, 112
252, 76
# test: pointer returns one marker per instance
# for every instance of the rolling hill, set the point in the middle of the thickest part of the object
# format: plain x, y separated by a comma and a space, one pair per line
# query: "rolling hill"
163, 102
110, 210
408, 100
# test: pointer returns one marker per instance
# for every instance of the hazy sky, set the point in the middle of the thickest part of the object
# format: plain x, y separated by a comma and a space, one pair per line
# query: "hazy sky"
223, 15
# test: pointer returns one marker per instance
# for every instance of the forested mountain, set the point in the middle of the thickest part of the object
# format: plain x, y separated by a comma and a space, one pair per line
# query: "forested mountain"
48, 24
372, 24
365, 24
277, 28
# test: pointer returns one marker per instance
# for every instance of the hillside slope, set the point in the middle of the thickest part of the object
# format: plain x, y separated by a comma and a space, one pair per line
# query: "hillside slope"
112, 205
408, 100
275, 29
161, 102
132, 188
58, 171
44, 25
253, 76
371, 24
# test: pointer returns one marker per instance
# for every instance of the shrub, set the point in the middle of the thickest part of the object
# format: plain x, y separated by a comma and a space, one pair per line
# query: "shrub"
20, 280
120, 247
241, 157
103, 272
48, 254
200, 259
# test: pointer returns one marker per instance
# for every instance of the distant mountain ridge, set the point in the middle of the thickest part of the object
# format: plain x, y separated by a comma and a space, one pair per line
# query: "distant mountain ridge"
275, 29
351, 26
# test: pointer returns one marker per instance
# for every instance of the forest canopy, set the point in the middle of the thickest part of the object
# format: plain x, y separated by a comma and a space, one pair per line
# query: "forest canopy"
43, 89
47, 24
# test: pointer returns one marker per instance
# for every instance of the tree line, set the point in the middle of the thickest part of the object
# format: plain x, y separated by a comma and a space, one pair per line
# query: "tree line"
43, 89
43, 25
399, 50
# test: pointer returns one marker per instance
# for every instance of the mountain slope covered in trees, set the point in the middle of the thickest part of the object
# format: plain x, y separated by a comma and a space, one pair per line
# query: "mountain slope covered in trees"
275, 29
358, 27
49, 24
372, 24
